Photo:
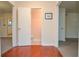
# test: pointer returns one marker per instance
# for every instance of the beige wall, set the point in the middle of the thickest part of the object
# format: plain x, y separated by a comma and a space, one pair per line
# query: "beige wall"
44, 5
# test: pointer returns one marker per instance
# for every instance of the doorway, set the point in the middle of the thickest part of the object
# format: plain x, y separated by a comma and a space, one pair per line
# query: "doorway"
68, 26
29, 29
36, 26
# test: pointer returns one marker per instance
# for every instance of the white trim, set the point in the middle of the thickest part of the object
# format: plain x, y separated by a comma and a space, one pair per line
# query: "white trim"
14, 27
57, 14
58, 3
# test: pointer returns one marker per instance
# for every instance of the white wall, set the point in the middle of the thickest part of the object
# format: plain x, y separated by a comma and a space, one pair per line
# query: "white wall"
50, 29
71, 25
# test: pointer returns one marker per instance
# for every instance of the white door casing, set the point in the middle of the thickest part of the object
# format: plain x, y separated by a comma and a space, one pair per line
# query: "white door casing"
14, 27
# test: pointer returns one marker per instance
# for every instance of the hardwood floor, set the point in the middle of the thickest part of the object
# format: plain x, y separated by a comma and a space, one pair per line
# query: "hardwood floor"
33, 51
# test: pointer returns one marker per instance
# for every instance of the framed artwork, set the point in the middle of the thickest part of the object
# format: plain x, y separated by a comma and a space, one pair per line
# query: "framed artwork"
48, 16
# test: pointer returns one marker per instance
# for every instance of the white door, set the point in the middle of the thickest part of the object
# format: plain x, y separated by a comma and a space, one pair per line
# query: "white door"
62, 24
24, 26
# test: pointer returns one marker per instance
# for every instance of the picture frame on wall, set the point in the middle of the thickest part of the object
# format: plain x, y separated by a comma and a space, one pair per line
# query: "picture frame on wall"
48, 16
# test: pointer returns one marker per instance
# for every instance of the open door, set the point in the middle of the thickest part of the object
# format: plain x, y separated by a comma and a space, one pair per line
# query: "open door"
24, 26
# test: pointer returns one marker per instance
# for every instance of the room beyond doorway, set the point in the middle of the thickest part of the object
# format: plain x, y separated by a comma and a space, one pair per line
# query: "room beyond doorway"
68, 28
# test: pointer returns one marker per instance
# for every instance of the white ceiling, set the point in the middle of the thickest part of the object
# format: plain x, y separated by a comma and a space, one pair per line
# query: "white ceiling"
5, 6
71, 6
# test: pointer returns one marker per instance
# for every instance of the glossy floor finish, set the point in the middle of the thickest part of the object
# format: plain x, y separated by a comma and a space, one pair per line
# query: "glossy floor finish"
33, 51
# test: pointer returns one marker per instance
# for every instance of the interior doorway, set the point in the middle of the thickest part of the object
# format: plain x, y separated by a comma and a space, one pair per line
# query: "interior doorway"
68, 28
29, 29
36, 26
